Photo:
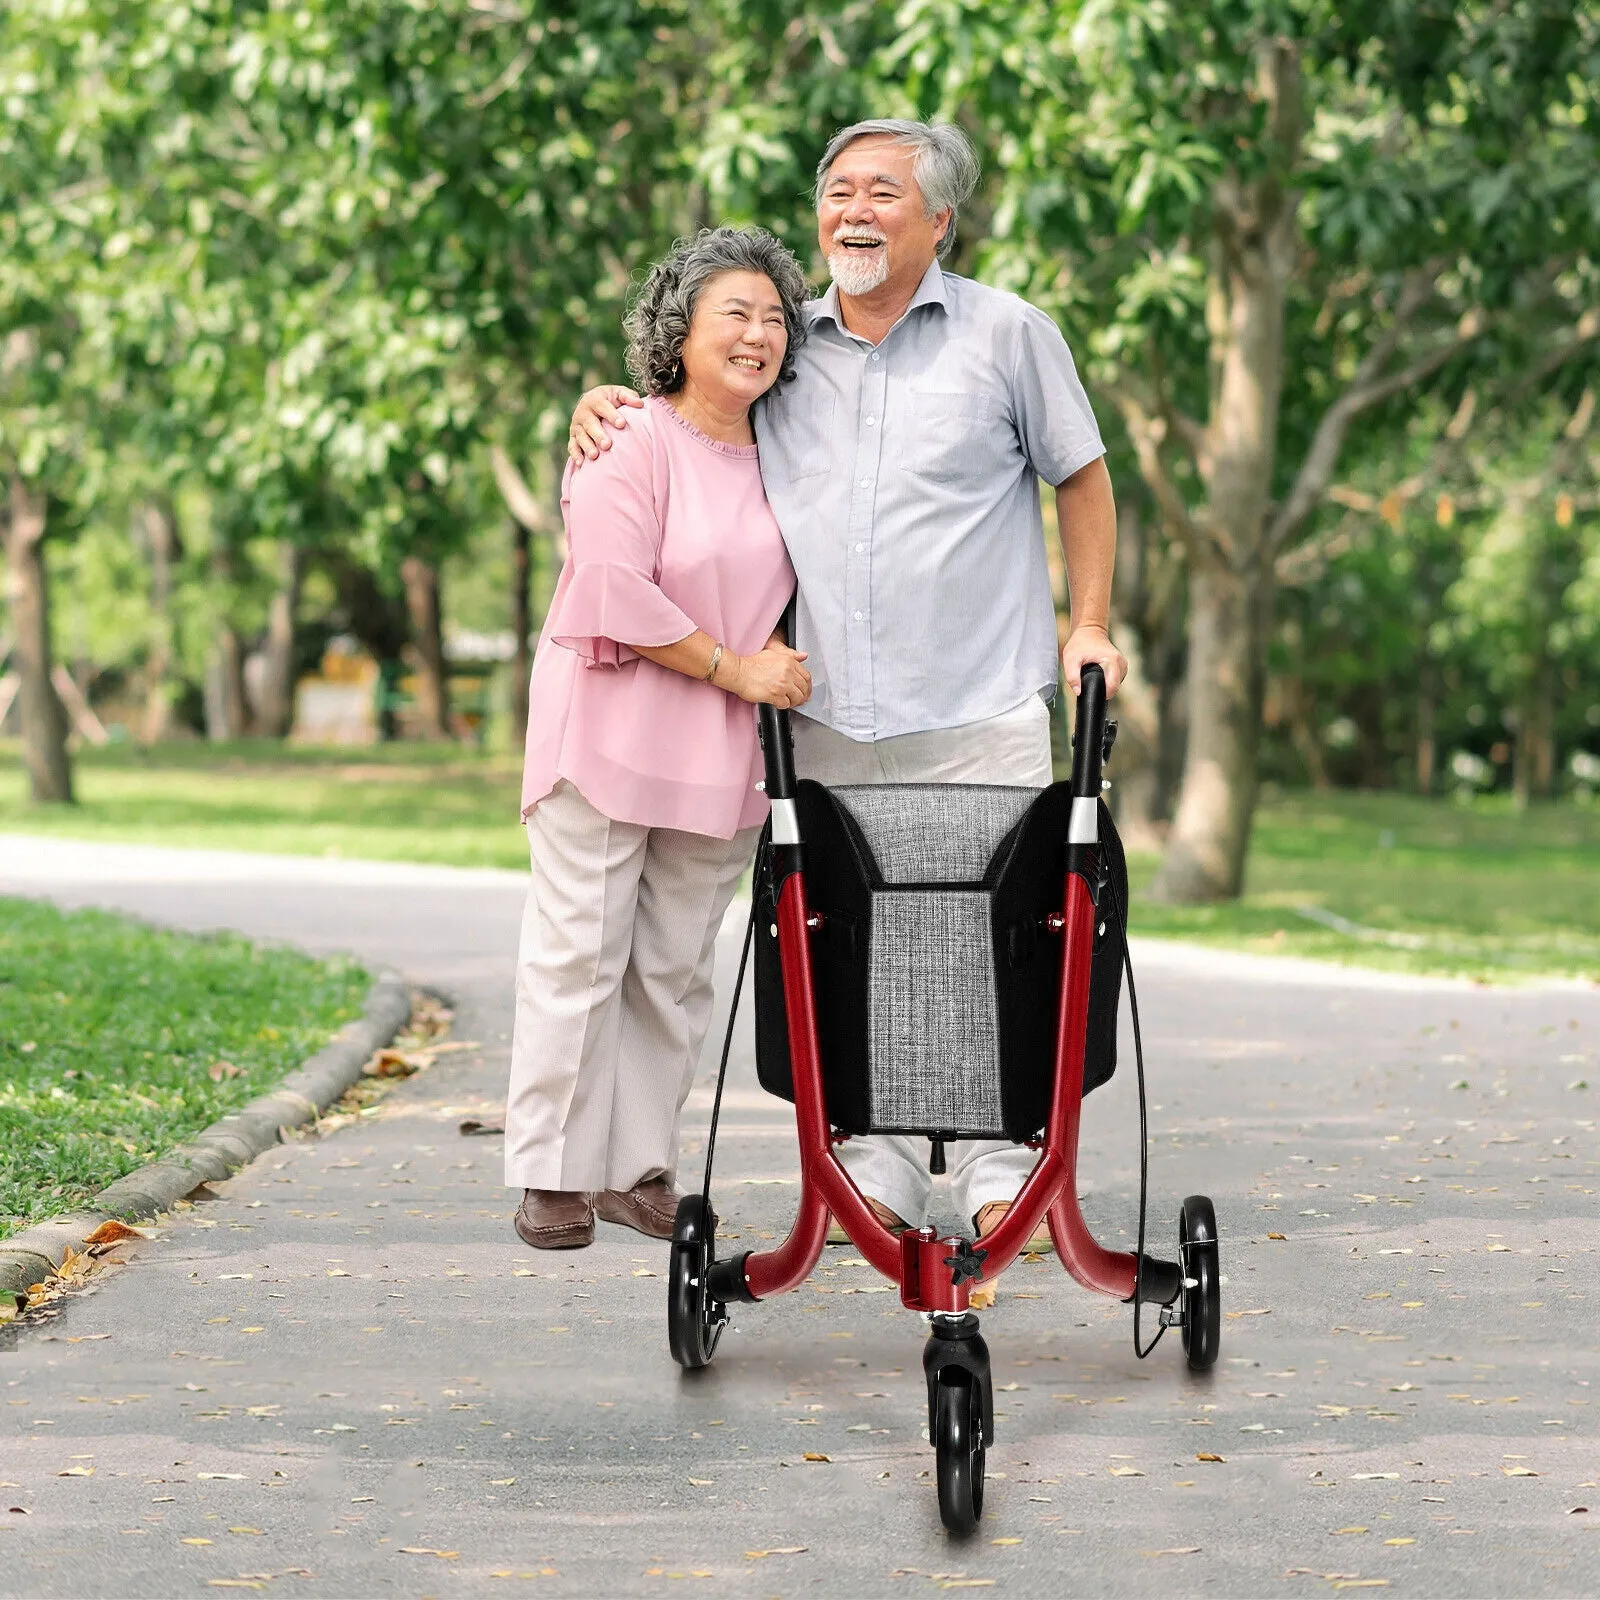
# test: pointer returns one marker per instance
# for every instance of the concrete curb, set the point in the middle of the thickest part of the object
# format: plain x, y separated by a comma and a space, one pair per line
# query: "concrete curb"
30, 1256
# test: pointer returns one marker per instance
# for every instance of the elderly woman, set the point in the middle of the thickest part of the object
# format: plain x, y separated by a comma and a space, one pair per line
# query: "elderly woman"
639, 785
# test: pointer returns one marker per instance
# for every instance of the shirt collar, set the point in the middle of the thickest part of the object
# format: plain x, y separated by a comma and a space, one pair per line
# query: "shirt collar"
930, 292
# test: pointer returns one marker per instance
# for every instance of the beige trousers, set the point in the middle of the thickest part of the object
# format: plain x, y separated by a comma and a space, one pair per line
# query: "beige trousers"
1013, 748
613, 993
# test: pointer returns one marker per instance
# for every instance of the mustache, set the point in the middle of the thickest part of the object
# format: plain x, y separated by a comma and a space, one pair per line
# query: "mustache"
877, 235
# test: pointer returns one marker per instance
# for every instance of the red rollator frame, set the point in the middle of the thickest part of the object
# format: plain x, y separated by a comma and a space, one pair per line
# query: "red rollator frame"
936, 1275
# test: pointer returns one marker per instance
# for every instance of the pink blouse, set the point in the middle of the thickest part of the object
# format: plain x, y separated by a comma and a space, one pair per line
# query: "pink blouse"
667, 532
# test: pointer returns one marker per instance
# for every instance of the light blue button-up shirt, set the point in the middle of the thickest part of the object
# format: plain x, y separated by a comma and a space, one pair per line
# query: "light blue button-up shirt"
904, 477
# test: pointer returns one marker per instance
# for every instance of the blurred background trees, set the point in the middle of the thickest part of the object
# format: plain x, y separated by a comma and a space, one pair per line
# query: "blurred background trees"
294, 302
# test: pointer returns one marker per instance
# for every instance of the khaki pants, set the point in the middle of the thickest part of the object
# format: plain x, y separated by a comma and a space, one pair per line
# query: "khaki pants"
613, 993
1013, 748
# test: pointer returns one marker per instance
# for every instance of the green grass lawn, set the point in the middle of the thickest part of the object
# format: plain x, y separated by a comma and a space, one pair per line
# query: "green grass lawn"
110, 1033
1478, 891
400, 802
1475, 890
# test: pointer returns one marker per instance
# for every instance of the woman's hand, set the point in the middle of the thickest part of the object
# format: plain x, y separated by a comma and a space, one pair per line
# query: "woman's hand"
597, 407
773, 676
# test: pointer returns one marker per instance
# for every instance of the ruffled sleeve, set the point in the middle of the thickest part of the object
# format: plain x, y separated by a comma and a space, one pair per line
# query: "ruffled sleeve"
610, 599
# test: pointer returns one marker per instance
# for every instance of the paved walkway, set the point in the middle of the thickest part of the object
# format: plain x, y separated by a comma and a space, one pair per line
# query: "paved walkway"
345, 1375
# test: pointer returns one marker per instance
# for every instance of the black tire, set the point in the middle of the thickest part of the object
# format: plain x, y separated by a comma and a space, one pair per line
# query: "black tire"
1202, 1293
958, 1444
694, 1320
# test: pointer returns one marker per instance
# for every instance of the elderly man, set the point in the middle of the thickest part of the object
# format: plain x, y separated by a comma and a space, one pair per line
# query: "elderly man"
903, 467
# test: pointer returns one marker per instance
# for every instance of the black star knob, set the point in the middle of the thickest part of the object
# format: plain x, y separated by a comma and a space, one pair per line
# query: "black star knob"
966, 1262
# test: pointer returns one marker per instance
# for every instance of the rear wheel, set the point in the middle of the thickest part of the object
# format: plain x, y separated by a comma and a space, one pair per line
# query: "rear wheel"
1202, 1281
958, 1443
694, 1320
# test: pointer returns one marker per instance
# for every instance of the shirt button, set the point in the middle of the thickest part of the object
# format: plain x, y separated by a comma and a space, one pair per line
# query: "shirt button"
874, 355
865, 482
860, 548
858, 616
872, 422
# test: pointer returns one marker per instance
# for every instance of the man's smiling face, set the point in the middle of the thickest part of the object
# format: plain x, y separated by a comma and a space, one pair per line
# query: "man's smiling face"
872, 223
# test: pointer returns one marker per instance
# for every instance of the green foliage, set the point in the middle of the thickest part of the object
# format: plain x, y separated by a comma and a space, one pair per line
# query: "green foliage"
297, 267
109, 1032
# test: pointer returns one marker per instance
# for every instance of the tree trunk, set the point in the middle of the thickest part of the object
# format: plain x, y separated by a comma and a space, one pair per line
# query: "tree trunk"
1303, 733
277, 681
1135, 788
1533, 744
225, 705
521, 625
44, 718
1427, 749
1229, 616
161, 537
421, 580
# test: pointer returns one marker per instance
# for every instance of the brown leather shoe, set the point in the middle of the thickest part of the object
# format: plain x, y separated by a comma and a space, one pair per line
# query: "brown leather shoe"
555, 1219
895, 1223
990, 1217
649, 1207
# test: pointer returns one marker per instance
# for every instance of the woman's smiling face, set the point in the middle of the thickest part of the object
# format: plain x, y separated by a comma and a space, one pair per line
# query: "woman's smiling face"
737, 338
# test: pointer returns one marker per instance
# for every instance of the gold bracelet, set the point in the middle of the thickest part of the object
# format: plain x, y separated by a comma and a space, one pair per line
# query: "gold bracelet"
716, 661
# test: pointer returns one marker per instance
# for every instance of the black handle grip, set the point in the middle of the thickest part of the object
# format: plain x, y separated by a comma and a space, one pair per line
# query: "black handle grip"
1088, 737
778, 749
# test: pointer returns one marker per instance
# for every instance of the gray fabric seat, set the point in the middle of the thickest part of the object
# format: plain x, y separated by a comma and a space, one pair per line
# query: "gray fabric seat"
933, 1034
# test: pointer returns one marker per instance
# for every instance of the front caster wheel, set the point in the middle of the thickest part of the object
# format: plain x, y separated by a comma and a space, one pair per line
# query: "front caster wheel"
1202, 1281
958, 1442
694, 1320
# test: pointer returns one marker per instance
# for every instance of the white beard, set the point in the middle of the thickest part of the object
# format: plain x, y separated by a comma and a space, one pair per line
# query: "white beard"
856, 277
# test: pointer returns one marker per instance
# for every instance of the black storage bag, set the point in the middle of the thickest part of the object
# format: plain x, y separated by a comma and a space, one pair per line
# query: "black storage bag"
947, 1023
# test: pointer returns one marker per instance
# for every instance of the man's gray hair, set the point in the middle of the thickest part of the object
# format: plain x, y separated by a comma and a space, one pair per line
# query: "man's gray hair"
945, 164
658, 323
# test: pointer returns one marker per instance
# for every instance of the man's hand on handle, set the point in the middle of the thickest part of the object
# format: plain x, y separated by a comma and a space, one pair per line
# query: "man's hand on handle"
603, 404
1091, 643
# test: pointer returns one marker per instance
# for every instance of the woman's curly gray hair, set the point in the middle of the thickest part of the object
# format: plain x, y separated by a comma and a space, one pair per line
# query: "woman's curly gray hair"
658, 323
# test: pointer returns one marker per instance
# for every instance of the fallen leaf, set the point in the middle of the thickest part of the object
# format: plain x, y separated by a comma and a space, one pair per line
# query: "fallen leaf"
1206, 1455
1005, 1541
705, 1483
1270, 1236
76, 1472
501, 1483
1399, 1541
1258, 1311
113, 1232
1352, 1530
815, 1455
1176, 1550
256, 1531
1374, 1475
218, 1070
423, 1550
778, 1550
1519, 1472
235, 1476
194, 1541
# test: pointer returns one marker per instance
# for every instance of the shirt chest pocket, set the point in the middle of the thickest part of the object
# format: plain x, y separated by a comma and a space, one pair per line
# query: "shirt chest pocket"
801, 430
944, 434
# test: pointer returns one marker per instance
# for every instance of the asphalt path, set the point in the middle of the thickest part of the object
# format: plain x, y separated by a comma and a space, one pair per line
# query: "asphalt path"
344, 1375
